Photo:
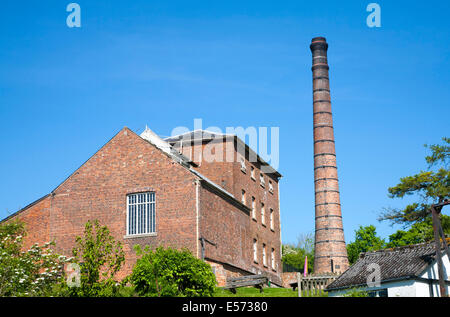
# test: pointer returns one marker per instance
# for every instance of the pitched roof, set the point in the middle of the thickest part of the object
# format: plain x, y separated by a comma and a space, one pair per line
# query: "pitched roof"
204, 135
152, 138
398, 263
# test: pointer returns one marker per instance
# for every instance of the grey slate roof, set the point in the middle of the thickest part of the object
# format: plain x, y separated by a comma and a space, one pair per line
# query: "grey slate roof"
395, 264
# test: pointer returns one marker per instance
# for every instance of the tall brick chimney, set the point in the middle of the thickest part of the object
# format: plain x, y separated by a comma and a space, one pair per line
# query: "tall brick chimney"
330, 250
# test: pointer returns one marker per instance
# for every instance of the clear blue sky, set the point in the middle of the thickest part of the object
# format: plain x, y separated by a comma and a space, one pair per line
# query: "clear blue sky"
65, 92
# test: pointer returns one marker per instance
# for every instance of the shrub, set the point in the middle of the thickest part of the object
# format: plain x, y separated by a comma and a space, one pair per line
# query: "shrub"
356, 292
34, 272
169, 272
99, 257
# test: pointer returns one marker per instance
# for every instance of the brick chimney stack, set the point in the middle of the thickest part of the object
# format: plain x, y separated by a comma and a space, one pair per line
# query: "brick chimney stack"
330, 250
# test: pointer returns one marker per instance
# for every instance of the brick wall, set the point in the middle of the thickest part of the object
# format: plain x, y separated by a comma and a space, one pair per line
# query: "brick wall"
230, 176
36, 220
187, 208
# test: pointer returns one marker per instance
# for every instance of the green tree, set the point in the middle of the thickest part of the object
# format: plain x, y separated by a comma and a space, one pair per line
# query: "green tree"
100, 257
170, 272
366, 240
294, 255
33, 272
418, 233
431, 186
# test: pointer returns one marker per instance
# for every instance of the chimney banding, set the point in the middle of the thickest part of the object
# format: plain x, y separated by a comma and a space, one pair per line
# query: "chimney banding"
330, 249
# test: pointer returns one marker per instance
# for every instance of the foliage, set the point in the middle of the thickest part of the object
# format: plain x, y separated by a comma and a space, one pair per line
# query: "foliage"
366, 240
294, 255
430, 186
418, 233
356, 292
100, 257
34, 272
170, 272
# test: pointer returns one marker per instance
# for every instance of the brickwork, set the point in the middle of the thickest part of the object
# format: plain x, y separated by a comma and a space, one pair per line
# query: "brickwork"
330, 250
187, 207
233, 179
36, 220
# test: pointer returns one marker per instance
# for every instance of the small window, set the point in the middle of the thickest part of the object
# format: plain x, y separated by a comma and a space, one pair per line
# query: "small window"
255, 250
261, 180
141, 213
243, 200
254, 208
272, 257
243, 168
263, 220
252, 172
271, 219
264, 255
270, 187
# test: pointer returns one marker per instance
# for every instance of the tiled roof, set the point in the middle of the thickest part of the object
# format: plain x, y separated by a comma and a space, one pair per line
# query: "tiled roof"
398, 263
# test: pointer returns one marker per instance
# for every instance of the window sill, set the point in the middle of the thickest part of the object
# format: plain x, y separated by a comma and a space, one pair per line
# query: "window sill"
140, 235
264, 225
254, 179
243, 170
254, 219
262, 185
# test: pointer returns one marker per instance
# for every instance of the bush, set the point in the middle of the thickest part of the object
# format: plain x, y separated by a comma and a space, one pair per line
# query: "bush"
169, 272
99, 258
34, 272
356, 292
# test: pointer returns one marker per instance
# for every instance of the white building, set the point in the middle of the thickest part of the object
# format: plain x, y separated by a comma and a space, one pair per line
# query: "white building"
409, 271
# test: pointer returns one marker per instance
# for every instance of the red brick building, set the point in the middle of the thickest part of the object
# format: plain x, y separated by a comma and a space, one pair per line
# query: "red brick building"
154, 192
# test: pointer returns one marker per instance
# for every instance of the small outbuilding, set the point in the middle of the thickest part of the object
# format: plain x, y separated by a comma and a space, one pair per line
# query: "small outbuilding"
409, 271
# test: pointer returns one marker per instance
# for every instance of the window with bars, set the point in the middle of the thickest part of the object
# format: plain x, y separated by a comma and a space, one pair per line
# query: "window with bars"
141, 213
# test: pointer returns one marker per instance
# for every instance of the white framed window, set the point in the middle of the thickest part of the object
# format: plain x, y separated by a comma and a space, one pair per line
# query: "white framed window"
254, 207
272, 256
243, 200
255, 250
243, 168
271, 218
252, 172
261, 180
141, 214
264, 255
270, 187
263, 214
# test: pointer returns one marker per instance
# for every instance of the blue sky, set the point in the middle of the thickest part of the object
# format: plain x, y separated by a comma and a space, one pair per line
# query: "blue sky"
65, 92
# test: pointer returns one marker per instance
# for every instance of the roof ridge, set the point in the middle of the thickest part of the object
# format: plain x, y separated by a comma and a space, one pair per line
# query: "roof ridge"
401, 248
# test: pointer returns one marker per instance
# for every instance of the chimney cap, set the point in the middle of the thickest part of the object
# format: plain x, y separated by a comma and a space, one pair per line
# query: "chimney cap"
319, 39
319, 43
